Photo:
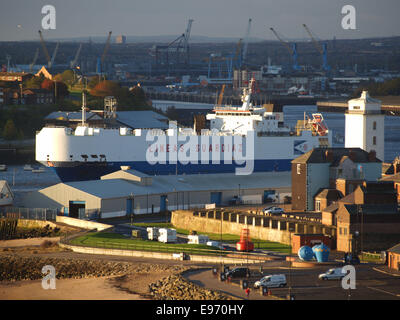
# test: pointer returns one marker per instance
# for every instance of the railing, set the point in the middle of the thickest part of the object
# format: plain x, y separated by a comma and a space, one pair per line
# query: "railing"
29, 213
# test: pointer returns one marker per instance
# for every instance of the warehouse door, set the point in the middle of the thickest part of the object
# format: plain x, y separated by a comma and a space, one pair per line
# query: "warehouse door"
163, 203
216, 197
74, 207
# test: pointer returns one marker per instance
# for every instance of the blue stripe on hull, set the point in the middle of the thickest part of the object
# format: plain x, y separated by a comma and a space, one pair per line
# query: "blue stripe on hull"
93, 171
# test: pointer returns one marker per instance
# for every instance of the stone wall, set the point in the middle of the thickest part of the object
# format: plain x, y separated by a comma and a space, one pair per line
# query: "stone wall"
261, 227
84, 224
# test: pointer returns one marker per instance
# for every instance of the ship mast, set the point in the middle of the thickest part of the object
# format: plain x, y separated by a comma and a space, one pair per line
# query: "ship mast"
83, 108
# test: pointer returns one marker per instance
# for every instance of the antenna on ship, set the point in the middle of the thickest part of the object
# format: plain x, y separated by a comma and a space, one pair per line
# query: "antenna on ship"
83, 107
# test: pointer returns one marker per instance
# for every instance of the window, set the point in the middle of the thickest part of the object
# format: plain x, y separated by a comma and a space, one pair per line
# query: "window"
374, 125
298, 168
318, 205
374, 140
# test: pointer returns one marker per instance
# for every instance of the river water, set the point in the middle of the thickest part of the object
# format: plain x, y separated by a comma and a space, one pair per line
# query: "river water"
24, 181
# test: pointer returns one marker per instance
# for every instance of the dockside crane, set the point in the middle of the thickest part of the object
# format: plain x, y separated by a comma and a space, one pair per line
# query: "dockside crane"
46, 52
292, 50
74, 62
186, 41
100, 61
322, 49
53, 57
34, 60
246, 41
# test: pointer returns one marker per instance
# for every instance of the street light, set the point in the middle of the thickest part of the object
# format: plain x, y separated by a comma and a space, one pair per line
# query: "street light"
166, 210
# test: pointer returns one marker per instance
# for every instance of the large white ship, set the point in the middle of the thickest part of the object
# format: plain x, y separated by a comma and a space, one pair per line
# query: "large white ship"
241, 139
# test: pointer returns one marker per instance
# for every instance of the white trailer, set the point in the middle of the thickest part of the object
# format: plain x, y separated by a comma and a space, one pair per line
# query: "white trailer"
197, 239
167, 235
152, 233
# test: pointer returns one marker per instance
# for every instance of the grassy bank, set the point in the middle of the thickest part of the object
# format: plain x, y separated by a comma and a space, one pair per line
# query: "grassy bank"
117, 241
228, 238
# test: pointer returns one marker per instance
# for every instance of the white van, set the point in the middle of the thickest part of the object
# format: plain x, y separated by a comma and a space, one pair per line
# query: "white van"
271, 281
334, 273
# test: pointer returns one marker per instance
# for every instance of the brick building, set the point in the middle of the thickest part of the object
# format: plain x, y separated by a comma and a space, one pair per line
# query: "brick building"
368, 219
330, 168
299, 240
392, 173
393, 257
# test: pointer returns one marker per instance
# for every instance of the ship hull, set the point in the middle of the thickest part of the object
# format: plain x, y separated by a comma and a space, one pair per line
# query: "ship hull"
68, 171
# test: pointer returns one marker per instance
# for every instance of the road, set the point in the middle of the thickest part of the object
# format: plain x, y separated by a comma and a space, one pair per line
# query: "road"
305, 285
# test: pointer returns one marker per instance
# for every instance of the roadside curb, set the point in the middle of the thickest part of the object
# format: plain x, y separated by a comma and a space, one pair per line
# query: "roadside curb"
385, 272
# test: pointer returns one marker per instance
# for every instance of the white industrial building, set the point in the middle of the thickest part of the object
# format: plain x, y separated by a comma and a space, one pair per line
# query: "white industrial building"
365, 125
127, 192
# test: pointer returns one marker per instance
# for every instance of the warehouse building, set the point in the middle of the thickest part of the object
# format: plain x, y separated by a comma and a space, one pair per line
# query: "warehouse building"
127, 192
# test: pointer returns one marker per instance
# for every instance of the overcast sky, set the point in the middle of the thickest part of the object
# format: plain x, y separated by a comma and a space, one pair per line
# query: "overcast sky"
21, 19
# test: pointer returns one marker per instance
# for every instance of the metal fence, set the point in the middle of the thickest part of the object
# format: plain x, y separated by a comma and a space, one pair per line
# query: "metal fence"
29, 213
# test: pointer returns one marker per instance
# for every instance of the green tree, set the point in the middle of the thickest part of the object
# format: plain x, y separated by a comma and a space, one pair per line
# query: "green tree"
33, 83
68, 77
10, 132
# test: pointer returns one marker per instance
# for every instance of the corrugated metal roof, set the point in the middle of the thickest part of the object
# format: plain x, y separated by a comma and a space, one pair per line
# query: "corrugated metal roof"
72, 115
142, 119
116, 188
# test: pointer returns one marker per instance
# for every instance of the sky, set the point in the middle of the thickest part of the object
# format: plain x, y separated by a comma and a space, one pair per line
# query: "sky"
21, 19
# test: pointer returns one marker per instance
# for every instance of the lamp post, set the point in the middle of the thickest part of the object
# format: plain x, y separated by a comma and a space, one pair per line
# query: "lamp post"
166, 210
290, 263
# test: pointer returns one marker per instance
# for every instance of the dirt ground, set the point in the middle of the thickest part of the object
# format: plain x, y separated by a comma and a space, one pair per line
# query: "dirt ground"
66, 289
132, 284
26, 242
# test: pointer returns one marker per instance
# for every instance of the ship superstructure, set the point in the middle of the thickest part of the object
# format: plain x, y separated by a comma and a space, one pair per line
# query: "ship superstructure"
236, 137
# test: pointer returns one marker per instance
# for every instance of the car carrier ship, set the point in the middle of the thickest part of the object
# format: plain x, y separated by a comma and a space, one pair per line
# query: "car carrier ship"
235, 137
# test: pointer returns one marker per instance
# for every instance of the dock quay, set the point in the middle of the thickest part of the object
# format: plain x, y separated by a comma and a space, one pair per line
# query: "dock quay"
229, 100
390, 106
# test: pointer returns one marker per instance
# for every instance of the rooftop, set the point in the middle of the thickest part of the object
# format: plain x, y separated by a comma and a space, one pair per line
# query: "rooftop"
142, 119
395, 249
392, 178
335, 155
117, 188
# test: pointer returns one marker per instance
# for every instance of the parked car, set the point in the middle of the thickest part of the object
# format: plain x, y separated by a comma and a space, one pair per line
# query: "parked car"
332, 274
274, 210
350, 259
238, 273
271, 281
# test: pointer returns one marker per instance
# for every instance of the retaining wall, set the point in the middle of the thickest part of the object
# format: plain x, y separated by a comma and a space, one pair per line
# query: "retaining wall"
156, 255
84, 224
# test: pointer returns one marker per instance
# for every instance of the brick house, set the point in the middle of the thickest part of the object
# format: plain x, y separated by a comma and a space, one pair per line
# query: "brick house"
393, 257
368, 219
37, 96
395, 178
331, 168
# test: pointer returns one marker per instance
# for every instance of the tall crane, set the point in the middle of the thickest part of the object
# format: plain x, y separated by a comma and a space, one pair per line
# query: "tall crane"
187, 35
34, 60
246, 41
100, 61
46, 53
322, 49
53, 57
292, 50
221, 95
74, 62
